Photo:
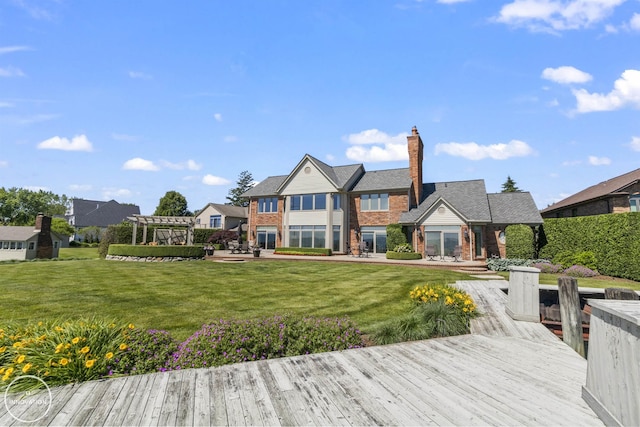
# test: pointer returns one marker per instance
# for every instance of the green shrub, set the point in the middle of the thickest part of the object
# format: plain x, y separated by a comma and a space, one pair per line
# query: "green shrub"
148, 351
519, 241
395, 236
236, 341
303, 251
503, 264
157, 251
404, 255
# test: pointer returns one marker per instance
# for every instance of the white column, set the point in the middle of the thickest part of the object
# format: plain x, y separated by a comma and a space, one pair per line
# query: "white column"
524, 294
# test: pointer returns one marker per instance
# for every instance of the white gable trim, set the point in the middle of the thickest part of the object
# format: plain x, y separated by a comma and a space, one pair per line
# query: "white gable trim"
442, 213
307, 178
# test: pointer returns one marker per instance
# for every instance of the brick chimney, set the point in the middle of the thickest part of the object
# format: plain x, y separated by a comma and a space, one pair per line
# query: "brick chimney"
416, 148
45, 244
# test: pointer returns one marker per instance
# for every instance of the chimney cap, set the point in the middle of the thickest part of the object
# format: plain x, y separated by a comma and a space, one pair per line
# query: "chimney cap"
414, 131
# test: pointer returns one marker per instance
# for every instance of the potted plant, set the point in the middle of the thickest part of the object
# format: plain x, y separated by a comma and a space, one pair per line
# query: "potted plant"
256, 251
209, 250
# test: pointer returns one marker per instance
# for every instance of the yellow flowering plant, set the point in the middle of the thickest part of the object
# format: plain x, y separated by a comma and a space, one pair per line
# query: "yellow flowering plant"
61, 352
449, 295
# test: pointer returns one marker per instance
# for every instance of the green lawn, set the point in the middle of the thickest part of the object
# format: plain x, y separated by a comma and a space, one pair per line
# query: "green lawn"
78, 253
180, 297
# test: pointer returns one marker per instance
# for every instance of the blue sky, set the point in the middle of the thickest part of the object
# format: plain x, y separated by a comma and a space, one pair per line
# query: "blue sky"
127, 100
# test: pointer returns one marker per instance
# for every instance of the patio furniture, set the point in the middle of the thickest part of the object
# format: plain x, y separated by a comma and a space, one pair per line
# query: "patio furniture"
430, 252
457, 253
364, 250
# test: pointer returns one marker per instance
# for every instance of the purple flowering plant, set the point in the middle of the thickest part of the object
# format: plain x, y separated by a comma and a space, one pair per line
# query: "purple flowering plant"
147, 351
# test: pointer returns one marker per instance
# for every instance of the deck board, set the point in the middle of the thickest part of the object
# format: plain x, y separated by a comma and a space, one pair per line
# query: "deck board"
504, 373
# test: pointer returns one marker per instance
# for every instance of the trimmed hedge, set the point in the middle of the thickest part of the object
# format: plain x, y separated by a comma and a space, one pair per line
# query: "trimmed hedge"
404, 255
304, 251
395, 236
520, 241
156, 251
613, 239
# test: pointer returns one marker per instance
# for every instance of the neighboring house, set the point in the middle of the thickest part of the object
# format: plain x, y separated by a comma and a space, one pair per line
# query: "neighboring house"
219, 216
339, 207
92, 213
616, 195
22, 243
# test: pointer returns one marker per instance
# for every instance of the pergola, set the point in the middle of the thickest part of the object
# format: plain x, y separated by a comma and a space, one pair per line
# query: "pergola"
168, 221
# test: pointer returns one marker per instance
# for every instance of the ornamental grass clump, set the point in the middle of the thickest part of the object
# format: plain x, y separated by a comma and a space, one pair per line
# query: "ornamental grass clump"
580, 271
233, 341
436, 311
60, 352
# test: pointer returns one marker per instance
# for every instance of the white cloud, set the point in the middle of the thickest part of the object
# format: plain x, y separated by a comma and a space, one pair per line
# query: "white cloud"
556, 15
626, 91
473, 151
140, 75
189, 164
6, 104
634, 23
230, 138
11, 72
3, 163
388, 148
113, 193
388, 153
635, 143
214, 180
452, 1
77, 143
218, 117
374, 136
11, 49
140, 164
599, 161
566, 75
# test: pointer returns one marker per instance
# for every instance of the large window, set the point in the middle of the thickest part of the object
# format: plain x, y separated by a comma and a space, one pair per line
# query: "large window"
374, 202
12, 245
215, 221
307, 236
337, 202
445, 238
336, 238
634, 203
375, 238
308, 202
268, 204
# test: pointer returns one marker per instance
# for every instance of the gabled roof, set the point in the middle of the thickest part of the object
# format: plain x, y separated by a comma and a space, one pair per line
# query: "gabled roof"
384, 180
338, 176
606, 188
229, 210
514, 208
17, 233
469, 198
90, 213
268, 187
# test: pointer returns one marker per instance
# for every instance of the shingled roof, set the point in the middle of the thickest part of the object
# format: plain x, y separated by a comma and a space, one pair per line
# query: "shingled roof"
93, 213
514, 208
384, 180
606, 188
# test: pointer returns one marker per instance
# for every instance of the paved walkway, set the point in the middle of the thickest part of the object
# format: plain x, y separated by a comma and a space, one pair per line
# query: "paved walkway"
504, 373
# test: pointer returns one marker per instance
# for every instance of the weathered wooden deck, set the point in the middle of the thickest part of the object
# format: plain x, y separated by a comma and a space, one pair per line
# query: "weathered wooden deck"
504, 373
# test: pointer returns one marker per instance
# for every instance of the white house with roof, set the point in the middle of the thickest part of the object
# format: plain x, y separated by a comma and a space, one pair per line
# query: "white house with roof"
218, 216
342, 207
27, 242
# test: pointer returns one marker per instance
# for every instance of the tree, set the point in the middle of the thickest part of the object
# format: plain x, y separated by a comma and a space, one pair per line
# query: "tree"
510, 186
61, 226
172, 204
19, 206
245, 182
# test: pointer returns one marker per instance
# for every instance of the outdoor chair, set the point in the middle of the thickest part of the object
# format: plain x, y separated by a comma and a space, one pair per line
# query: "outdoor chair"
364, 250
244, 248
430, 252
457, 252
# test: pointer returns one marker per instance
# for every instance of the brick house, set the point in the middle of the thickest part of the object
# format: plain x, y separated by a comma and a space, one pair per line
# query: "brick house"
616, 195
339, 207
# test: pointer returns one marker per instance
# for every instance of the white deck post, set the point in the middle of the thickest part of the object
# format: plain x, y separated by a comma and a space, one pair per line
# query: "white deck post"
613, 362
524, 294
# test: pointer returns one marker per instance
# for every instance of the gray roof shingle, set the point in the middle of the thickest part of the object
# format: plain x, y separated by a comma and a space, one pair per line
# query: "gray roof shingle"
268, 187
384, 180
17, 233
469, 198
514, 208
